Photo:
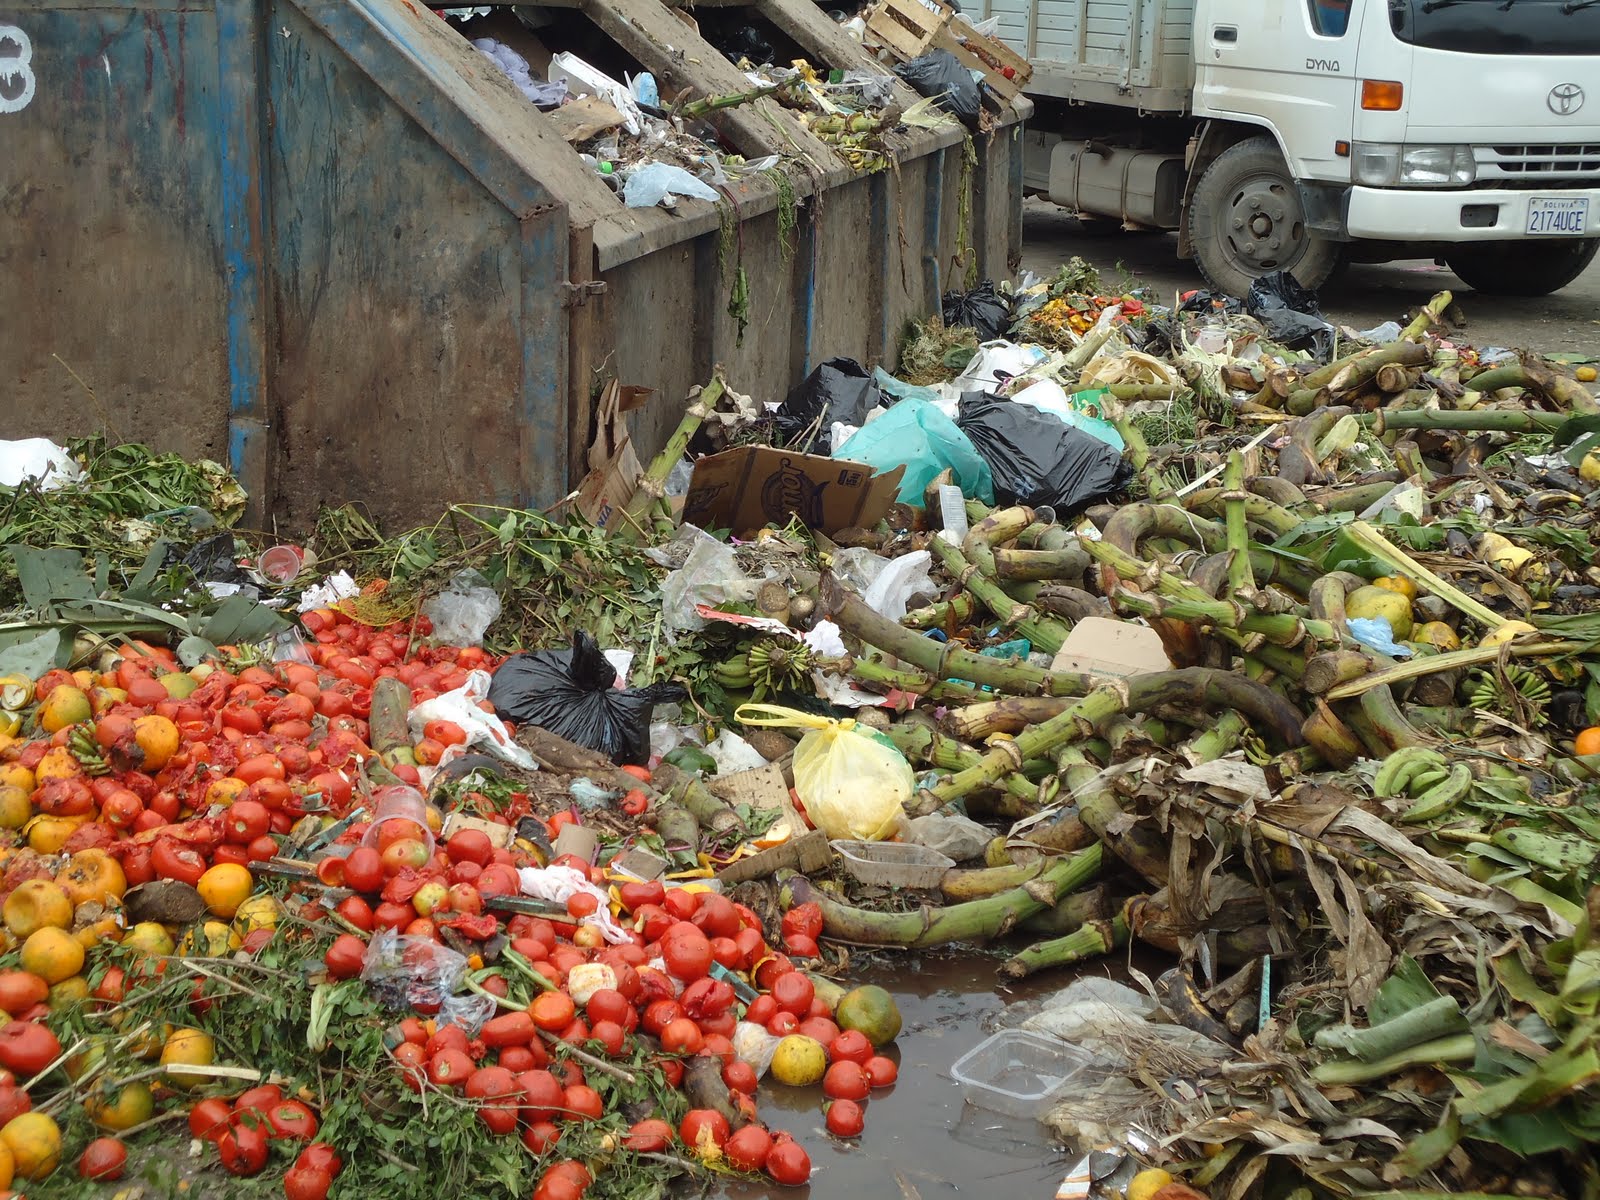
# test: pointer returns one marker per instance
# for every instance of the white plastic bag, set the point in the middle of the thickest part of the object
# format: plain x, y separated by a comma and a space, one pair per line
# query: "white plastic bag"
753, 1044
38, 459
560, 884
484, 730
852, 785
733, 754
463, 612
904, 577
710, 575
650, 184
995, 359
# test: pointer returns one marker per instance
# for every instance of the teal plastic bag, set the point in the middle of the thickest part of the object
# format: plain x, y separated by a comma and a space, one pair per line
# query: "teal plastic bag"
918, 436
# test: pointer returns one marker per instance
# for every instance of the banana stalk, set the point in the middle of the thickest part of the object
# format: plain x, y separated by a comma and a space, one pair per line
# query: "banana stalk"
976, 920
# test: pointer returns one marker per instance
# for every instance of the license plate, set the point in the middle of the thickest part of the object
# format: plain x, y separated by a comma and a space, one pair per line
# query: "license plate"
1558, 215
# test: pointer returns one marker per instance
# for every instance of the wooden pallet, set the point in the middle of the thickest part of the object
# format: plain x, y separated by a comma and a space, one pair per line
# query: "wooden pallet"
909, 29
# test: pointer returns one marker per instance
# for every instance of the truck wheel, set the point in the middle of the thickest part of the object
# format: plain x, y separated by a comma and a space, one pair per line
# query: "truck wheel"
1246, 221
1522, 268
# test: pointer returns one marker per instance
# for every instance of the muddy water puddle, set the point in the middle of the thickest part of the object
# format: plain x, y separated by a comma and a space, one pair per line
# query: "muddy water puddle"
922, 1142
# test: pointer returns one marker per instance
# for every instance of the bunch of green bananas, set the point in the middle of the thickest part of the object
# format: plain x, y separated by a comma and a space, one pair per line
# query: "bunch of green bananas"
778, 665
1485, 689
1427, 777
82, 745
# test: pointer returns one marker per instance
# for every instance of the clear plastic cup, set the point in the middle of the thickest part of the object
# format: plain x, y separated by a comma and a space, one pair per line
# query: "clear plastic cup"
398, 804
281, 564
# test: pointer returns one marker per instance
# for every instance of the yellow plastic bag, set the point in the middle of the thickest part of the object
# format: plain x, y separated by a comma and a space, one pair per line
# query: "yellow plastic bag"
852, 785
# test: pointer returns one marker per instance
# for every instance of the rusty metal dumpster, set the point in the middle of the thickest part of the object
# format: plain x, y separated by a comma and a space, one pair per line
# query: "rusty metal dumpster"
327, 242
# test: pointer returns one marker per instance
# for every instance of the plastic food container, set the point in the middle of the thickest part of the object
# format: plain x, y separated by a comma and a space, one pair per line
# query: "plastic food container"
400, 804
1017, 1073
894, 864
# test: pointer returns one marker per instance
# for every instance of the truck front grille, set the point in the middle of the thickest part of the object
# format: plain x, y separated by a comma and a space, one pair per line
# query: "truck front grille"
1555, 166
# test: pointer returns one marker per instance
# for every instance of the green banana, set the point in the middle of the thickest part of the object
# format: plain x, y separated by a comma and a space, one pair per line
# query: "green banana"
1442, 797
735, 673
1397, 771
81, 744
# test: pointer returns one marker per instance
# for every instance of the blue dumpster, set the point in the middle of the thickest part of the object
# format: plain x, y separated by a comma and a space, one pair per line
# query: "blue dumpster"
327, 242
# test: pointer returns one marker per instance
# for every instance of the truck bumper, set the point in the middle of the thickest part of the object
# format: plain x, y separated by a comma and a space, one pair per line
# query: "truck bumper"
1474, 215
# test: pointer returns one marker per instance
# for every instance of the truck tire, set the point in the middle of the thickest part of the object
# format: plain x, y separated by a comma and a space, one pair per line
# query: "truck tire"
1522, 268
1245, 221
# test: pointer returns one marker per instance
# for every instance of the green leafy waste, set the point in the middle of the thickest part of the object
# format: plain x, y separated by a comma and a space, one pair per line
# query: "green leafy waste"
391, 1139
129, 498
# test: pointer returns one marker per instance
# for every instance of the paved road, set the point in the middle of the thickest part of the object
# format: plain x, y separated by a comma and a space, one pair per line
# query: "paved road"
1567, 322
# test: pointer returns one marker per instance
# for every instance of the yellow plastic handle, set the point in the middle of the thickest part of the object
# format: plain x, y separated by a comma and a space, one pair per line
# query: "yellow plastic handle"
777, 717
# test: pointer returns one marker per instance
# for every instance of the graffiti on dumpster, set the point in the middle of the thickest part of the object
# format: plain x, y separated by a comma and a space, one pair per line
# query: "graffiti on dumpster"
16, 70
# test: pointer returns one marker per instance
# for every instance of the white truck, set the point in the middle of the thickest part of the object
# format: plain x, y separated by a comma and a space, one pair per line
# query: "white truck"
1303, 134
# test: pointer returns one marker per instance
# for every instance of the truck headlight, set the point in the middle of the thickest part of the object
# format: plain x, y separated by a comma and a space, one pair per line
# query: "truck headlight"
1390, 164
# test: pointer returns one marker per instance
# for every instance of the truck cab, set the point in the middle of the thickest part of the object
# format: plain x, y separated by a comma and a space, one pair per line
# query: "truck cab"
1311, 132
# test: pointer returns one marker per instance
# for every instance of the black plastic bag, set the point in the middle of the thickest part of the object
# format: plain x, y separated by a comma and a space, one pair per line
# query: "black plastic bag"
1037, 458
1290, 314
215, 560
570, 693
1202, 301
939, 73
839, 390
983, 309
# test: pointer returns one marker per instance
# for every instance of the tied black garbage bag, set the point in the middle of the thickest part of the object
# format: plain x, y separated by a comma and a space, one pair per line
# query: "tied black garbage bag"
983, 309
939, 73
839, 390
1037, 458
1290, 314
570, 693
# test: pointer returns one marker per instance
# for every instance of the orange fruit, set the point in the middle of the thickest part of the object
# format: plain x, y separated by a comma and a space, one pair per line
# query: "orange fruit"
122, 1109
57, 764
16, 806
149, 938
93, 876
106, 929
35, 1143
36, 904
1588, 741
48, 835
225, 791
188, 1048
52, 954
64, 706
8, 1164
18, 776
158, 738
69, 992
225, 887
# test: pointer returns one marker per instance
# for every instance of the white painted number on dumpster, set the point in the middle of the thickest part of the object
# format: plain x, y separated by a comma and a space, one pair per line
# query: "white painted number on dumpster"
16, 70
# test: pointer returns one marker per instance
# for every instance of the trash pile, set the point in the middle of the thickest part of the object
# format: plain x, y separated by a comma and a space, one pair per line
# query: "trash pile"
651, 147
526, 852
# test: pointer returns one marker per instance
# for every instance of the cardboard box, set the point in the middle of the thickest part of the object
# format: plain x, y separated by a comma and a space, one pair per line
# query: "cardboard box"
1119, 649
806, 853
614, 468
746, 488
500, 836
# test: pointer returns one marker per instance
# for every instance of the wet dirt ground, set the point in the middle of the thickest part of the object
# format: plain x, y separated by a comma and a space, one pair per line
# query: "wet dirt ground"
1567, 322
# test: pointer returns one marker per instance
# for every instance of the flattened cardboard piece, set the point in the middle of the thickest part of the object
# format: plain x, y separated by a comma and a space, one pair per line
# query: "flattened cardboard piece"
761, 787
1119, 649
576, 839
581, 119
500, 836
805, 854
614, 468
641, 864
746, 488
